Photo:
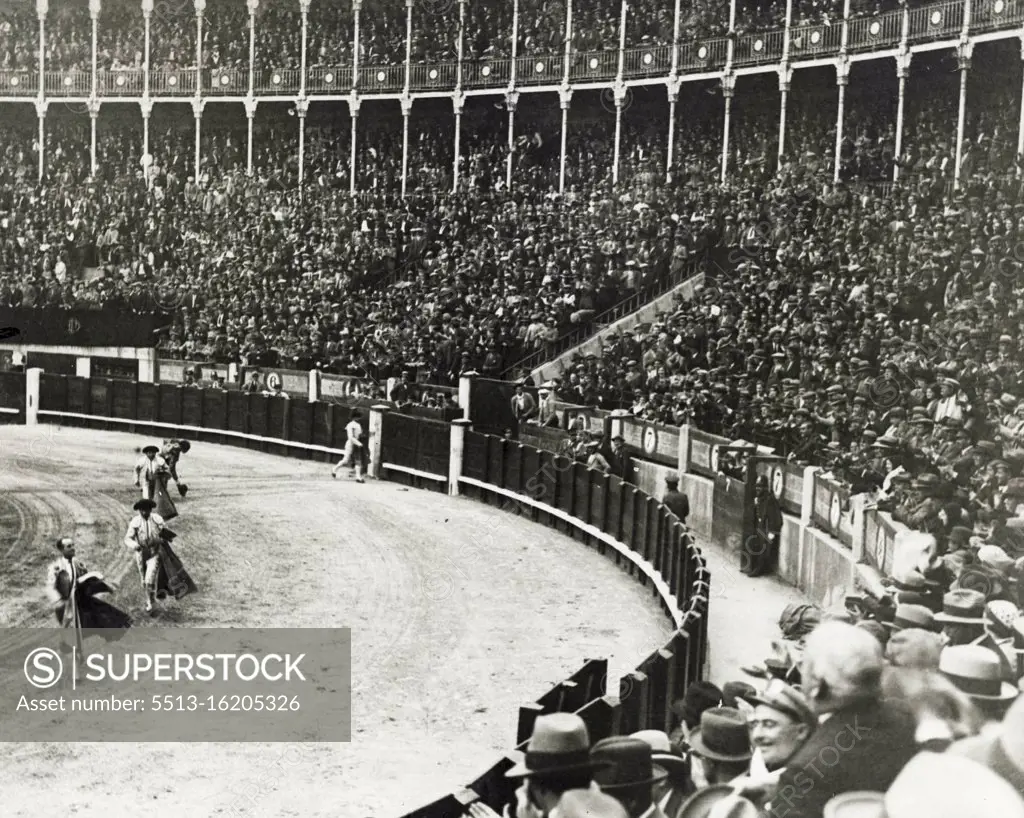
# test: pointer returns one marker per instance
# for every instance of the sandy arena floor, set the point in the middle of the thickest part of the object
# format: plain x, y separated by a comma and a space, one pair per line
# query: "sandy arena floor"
460, 613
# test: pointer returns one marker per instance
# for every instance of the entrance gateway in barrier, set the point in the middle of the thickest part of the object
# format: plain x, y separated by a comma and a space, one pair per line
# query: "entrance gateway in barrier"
603, 512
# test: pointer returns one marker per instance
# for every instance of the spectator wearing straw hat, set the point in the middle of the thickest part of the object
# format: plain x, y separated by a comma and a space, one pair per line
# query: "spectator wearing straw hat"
677, 786
978, 671
1000, 748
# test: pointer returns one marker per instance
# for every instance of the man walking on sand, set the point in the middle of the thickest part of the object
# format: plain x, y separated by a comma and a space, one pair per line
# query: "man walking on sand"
355, 450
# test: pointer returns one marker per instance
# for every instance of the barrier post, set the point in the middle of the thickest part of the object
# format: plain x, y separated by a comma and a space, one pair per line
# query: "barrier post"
32, 396
232, 373
615, 428
83, 367
314, 385
684, 449
860, 526
388, 386
807, 501
376, 428
147, 365
465, 390
458, 443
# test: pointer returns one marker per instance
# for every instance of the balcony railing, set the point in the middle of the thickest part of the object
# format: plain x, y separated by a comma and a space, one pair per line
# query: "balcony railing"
873, 33
68, 83
19, 83
937, 21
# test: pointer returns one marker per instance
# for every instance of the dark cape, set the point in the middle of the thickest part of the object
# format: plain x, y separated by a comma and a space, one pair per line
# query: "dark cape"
173, 580
93, 614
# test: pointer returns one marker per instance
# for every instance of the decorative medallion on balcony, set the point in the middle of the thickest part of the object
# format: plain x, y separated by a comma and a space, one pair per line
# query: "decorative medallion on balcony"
816, 37
485, 71
648, 58
539, 67
875, 28
702, 53
999, 7
329, 78
172, 81
594, 63
935, 18
68, 82
225, 80
381, 76
759, 45
120, 81
15, 82
276, 78
433, 74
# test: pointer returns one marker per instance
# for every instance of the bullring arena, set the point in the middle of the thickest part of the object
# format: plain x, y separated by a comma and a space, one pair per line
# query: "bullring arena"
459, 612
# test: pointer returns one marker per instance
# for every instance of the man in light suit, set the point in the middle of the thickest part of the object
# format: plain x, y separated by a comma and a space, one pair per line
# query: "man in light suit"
144, 538
148, 469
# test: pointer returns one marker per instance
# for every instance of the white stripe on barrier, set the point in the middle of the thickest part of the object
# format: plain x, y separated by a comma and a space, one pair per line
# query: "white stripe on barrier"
648, 570
409, 470
197, 429
5, 411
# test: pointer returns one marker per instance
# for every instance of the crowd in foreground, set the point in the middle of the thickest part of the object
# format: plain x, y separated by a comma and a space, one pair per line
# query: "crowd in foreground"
330, 31
917, 713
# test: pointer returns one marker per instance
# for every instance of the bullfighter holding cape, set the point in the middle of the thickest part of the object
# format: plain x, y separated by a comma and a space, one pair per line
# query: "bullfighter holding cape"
151, 475
161, 572
72, 590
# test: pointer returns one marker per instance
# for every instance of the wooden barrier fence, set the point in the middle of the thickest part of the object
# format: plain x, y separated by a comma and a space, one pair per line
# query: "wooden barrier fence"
616, 518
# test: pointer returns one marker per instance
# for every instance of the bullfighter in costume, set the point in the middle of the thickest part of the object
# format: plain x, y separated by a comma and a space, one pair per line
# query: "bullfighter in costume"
355, 449
171, 452
73, 590
160, 570
151, 475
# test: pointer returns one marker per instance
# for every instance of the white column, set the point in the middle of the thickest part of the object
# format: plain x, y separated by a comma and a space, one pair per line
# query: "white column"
621, 95
465, 391
253, 6
623, 11
842, 80
376, 428
408, 45
147, 365
197, 111
615, 424
677, 22
565, 100
94, 18
147, 19
353, 109
41, 106
250, 117
301, 109
94, 114
406, 102
42, 6
458, 103
728, 89
314, 385
684, 449
511, 100
200, 8
785, 78
146, 109
32, 377
304, 13
1020, 126
964, 52
458, 446
357, 7
672, 85
83, 367
902, 72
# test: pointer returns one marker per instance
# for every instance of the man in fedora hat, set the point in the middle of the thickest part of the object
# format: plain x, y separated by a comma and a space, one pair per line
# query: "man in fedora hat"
962, 617
144, 538
978, 672
557, 759
863, 743
626, 771
677, 786
722, 743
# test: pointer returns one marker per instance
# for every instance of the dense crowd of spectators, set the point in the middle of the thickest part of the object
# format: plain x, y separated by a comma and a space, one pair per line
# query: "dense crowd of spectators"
915, 714
330, 37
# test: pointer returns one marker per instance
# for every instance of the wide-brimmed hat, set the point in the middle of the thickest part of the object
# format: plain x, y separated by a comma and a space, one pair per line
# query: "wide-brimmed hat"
856, 804
945, 785
962, 606
722, 735
662, 753
1000, 617
786, 699
914, 648
719, 800
144, 505
150, 450
976, 671
912, 616
623, 761
1000, 749
559, 743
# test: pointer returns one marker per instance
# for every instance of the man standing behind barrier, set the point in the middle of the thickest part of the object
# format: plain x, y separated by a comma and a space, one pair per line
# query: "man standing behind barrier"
620, 464
676, 502
758, 555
